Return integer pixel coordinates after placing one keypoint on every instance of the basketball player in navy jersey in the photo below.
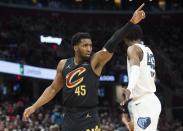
(78, 77)
(146, 107)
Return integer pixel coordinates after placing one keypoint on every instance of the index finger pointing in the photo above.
(142, 5)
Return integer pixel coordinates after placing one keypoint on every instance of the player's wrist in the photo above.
(34, 107)
(132, 21)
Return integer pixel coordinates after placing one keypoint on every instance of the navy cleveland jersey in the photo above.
(80, 86)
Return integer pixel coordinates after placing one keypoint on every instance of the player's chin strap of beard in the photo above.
(117, 37)
(134, 76)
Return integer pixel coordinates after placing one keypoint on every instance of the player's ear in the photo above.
(75, 48)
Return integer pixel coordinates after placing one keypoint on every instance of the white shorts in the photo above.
(146, 111)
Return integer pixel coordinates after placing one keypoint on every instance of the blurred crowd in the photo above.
(20, 38)
(152, 5)
(44, 119)
(50, 117)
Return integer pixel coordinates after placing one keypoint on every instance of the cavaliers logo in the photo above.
(70, 75)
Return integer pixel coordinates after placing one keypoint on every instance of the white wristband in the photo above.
(134, 76)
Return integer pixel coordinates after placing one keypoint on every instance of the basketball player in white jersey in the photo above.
(146, 106)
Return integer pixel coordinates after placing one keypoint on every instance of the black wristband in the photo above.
(117, 37)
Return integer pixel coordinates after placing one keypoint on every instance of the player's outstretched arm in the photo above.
(49, 92)
(103, 56)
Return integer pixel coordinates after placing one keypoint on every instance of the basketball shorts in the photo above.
(146, 111)
(85, 120)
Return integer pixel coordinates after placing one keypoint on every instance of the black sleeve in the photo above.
(117, 37)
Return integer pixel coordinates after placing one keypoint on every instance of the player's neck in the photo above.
(77, 60)
(130, 43)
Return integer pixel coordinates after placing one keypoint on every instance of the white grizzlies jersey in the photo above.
(145, 84)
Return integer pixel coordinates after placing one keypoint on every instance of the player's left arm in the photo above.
(103, 56)
(135, 55)
(100, 58)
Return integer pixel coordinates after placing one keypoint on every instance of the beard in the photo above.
(85, 58)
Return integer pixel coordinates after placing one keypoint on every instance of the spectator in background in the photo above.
(57, 117)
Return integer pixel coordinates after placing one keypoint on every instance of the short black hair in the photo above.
(135, 33)
(76, 38)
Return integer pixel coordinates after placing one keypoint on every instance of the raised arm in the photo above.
(103, 56)
(49, 92)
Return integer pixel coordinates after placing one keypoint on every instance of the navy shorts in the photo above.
(81, 120)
